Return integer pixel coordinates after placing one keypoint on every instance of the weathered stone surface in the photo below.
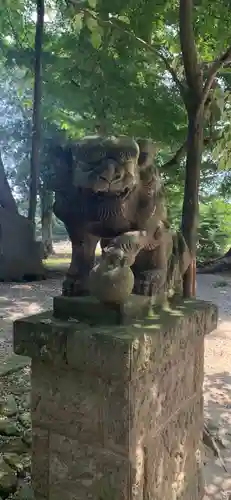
(25, 419)
(70, 402)
(80, 471)
(127, 212)
(24, 493)
(8, 427)
(26, 401)
(40, 462)
(27, 437)
(86, 471)
(20, 464)
(41, 337)
(174, 453)
(8, 406)
(8, 479)
(13, 364)
(117, 411)
(78, 308)
(12, 444)
(46, 338)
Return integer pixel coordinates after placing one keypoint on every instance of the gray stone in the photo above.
(14, 461)
(27, 437)
(24, 493)
(19, 463)
(12, 364)
(160, 257)
(12, 444)
(8, 427)
(47, 338)
(8, 406)
(90, 310)
(25, 419)
(26, 401)
(117, 411)
(8, 479)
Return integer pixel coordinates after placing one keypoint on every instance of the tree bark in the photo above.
(46, 198)
(36, 120)
(195, 99)
(190, 210)
(6, 198)
(195, 110)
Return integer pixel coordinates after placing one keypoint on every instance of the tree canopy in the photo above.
(120, 67)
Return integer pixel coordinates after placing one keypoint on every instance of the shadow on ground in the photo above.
(26, 298)
(23, 299)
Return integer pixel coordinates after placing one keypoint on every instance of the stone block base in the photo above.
(117, 411)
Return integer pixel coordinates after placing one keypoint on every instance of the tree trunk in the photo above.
(6, 198)
(195, 97)
(191, 190)
(46, 198)
(36, 120)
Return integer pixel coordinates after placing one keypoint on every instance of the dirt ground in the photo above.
(18, 300)
(217, 385)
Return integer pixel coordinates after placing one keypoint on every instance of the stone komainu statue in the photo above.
(108, 190)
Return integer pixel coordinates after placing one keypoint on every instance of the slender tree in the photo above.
(46, 202)
(36, 120)
(195, 96)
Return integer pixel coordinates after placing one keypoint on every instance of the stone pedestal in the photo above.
(117, 411)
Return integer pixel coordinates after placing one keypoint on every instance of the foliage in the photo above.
(214, 230)
(108, 65)
(115, 66)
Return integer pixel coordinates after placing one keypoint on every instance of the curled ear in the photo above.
(148, 150)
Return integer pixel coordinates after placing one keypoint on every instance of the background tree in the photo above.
(36, 117)
(120, 68)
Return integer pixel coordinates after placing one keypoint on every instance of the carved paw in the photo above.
(72, 287)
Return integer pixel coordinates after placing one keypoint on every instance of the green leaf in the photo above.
(96, 39)
(28, 103)
(124, 19)
(92, 3)
(78, 22)
(91, 23)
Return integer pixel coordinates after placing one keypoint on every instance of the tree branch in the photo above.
(177, 156)
(193, 73)
(157, 50)
(180, 153)
(173, 74)
(224, 58)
